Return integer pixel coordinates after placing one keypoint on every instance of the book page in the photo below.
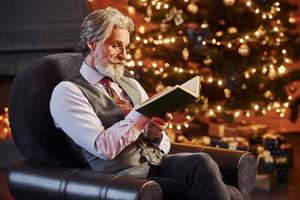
(158, 95)
(193, 85)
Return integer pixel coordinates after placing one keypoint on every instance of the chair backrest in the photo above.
(31, 123)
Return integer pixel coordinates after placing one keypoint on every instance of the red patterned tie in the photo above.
(125, 105)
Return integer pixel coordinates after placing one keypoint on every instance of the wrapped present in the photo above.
(290, 156)
(237, 130)
(253, 130)
(265, 182)
(202, 140)
(281, 164)
(265, 162)
(272, 141)
(235, 143)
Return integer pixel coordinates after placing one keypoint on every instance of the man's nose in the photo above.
(123, 54)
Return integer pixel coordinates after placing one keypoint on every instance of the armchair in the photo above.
(51, 171)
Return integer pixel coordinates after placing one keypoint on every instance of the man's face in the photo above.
(109, 58)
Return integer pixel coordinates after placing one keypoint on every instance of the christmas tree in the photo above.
(240, 48)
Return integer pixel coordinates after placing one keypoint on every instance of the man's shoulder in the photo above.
(74, 77)
(65, 87)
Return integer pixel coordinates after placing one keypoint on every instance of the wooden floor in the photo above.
(286, 191)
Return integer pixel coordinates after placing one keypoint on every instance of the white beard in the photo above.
(106, 67)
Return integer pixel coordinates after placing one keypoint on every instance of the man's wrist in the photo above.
(140, 120)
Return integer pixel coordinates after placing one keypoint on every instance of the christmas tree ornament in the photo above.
(131, 10)
(228, 2)
(219, 33)
(199, 38)
(204, 25)
(244, 50)
(292, 88)
(261, 86)
(207, 60)
(149, 11)
(268, 94)
(147, 19)
(232, 30)
(196, 37)
(176, 15)
(185, 54)
(164, 26)
(138, 54)
(222, 22)
(142, 29)
(141, 3)
(227, 92)
(178, 19)
(192, 8)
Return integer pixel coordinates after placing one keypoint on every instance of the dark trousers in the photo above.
(190, 176)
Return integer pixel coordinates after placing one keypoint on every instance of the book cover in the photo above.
(171, 99)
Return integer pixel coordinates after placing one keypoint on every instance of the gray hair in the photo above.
(98, 26)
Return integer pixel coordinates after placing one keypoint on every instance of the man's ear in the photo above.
(91, 45)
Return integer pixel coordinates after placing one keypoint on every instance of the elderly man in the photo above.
(95, 110)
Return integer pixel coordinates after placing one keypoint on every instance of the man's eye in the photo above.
(116, 46)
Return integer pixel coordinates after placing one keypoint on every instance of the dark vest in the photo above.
(134, 159)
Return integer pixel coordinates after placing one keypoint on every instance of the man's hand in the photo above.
(156, 125)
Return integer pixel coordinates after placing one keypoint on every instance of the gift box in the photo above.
(272, 141)
(202, 140)
(265, 182)
(249, 131)
(235, 143)
(290, 156)
(265, 162)
(281, 164)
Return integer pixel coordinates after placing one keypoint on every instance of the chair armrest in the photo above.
(238, 168)
(27, 181)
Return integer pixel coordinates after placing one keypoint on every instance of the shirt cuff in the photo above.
(165, 144)
(138, 119)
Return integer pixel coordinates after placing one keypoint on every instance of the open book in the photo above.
(171, 99)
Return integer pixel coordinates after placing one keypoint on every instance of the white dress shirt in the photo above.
(72, 112)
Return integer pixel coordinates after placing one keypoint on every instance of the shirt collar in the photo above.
(90, 74)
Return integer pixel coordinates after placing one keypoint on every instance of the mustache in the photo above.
(123, 62)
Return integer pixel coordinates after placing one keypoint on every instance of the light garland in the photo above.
(5, 132)
(272, 69)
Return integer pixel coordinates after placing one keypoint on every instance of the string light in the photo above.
(220, 82)
(237, 114)
(140, 63)
(271, 70)
(248, 114)
(282, 69)
(211, 113)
